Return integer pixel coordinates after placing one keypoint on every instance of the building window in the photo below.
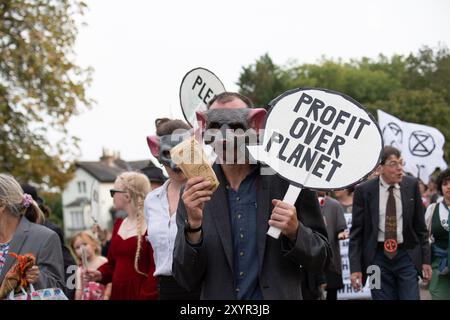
(81, 187)
(77, 220)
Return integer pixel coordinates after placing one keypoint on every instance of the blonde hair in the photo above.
(88, 237)
(138, 186)
(12, 197)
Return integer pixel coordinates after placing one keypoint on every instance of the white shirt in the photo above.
(384, 194)
(161, 229)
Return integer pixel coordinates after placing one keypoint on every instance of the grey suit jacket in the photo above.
(365, 220)
(335, 223)
(210, 264)
(44, 244)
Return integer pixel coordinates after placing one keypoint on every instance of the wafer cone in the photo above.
(192, 160)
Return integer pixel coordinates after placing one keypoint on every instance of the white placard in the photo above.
(320, 133)
(319, 139)
(348, 293)
(197, 88)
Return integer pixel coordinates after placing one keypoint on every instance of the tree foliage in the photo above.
(414, 88)
(262, 81)
(54, 202)
(40, 88)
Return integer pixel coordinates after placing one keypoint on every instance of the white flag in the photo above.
(421, 145)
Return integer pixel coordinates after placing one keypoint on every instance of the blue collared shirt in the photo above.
(242, 205)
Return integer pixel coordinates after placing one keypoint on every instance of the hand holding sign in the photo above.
(284, 217)
(318, 139)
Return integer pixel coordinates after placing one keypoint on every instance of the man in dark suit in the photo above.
(389, 231)
(221, 243)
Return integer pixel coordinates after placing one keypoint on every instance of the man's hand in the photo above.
(356, 279)
(195, 194)
(284, 217)
(426, 272)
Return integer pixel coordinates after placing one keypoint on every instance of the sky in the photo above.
(140, 50)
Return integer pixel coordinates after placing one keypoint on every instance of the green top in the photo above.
(439, 233)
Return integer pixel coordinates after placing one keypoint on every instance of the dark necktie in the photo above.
(390, 230)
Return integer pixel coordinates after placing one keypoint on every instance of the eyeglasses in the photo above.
(113, 191)
(393, 164)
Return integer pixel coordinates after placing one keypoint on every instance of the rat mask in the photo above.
(236, 127)
(160, 147)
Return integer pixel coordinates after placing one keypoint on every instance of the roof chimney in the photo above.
(108, 157)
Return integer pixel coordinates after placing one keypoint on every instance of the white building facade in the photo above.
(86, 198)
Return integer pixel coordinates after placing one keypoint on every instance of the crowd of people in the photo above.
(182, 241)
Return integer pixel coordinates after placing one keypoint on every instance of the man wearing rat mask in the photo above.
(221, 243)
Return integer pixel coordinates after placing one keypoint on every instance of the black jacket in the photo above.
(67, 257)
(365, 220)
(210, 264)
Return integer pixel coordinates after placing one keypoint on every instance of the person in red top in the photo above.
(130, 265)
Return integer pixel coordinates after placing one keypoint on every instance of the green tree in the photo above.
(262, 81)
(364, 80)
(54, 202)
(429, 69)
(40, 88)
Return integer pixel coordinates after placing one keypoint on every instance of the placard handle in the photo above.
(290, 197)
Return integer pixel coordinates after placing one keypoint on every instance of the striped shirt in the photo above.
(4, 248)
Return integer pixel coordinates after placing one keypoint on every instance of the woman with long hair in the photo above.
(130, 265)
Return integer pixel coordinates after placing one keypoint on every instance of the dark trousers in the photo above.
(399, 277)
(332, 294)
(169, 289)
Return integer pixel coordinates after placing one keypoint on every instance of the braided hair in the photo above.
(138, 186)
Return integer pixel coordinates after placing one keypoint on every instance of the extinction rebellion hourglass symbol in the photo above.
(421, 143)
(390, 245)
(393, 131)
